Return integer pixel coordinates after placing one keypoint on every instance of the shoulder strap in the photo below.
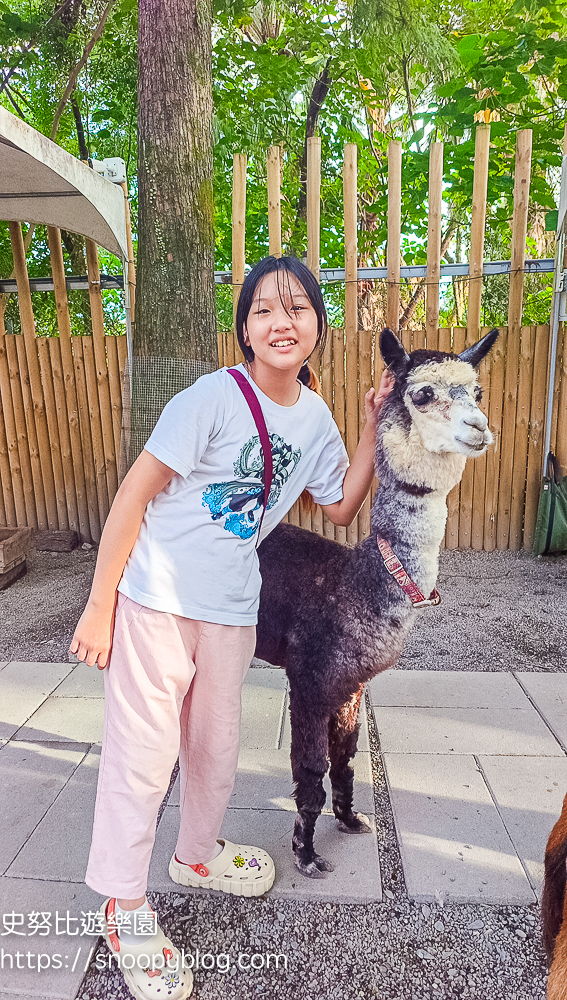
(256, 410)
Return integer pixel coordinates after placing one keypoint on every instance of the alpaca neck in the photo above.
(413, 524)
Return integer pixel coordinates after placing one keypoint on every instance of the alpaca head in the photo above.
(433, 413)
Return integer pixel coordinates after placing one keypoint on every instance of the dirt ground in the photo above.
(499, 611)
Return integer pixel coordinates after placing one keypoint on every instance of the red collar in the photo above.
(395, 568)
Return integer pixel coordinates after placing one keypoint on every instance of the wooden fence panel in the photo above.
(479, 485)
(536, 432)
(7, 506)
(521, 432)
(115, 387)
(394, 232)
(96, 428)
(22, 381)
(101, 369)
(497, 369)
(16, 482)
(63, 426)
(86, 439)
(30, 498)
(515, 301)
(65, 354)
(42, 346)
(32, 389)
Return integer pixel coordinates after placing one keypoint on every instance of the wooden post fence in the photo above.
(61, 417)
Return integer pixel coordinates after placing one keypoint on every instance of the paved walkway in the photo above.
(476, 767)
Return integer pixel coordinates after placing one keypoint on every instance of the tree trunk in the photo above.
(176, 295)
(174, 338)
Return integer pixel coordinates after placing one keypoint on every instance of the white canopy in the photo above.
(40, 182)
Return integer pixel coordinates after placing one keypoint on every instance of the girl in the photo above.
(175, 596)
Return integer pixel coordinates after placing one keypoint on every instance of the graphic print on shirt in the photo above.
(241, 502)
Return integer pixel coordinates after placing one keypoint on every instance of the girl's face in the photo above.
(281, 327)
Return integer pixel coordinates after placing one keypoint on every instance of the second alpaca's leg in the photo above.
(308, 766)
(343, 739)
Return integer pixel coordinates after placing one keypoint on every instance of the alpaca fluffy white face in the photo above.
(442, 398)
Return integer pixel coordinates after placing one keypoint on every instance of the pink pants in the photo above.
(172, 687)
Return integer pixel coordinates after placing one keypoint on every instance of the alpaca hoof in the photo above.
(317, 868)
(358, 823)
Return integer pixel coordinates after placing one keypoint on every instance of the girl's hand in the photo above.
(93, 637)
(373, 400)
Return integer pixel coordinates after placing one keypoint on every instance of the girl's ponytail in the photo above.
(308, 377)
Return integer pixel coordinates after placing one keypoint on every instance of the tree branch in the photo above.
(408, 92)
(320, 90)
(97, 34)
(58, 13)
(83, 151)
(420, 289)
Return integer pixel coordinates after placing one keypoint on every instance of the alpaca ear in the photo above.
(474, 355)
(393, 352)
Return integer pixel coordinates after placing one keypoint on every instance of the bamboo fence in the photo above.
(61, 409)
(61, 416)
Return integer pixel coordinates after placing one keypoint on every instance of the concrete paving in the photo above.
(475, 763)
(477, 771)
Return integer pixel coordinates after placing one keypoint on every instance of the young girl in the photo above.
(173, 608)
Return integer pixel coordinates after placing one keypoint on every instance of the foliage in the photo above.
(38, 50)
(409, 70)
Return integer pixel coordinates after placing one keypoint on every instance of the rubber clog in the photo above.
(240, 870)
(152, 970)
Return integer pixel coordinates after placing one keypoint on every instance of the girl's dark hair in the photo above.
(283, 266)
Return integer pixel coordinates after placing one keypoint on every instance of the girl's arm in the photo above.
(360, 473)
(93, 635)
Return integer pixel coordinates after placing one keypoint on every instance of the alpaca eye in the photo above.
(423, 396)
(477, 394)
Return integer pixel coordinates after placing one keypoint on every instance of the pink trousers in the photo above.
(172, 688)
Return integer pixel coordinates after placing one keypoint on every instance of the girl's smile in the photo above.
(281, 327)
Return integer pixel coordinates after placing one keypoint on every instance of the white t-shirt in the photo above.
(195, 554)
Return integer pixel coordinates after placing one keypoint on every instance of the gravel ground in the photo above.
(500, 611)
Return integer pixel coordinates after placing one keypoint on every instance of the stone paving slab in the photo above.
(549, 692)
(58, 848)
(4, 664)
(497, 730)
(263, 702)
(73, 720)
(445, 689)
(31, 777)
(452, 840)
(356, 878)
(22, 896)
(528, 792)
(82, 682)
(23, 688)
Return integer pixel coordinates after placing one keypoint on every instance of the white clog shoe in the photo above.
(240, 870)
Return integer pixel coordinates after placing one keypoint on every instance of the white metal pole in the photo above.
(560, 276)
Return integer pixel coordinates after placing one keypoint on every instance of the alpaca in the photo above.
(335, 617)
(554, 908)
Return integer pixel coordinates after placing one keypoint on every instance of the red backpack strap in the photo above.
(256, 410)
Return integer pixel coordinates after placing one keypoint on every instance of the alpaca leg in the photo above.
(308, 766)
(343, 739)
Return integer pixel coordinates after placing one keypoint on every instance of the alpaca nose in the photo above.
(477, 420)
